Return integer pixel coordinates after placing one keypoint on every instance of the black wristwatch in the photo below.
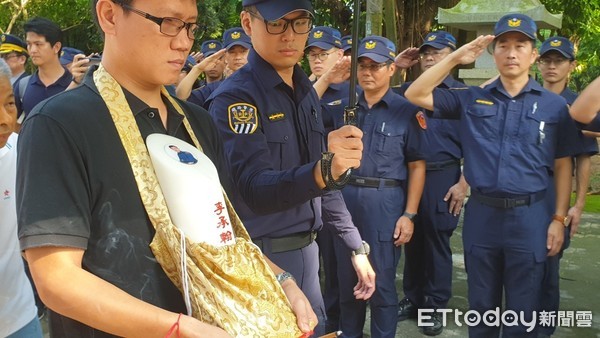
(410, 216)
(364, 249)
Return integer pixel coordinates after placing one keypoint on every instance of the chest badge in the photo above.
(276, 117)
(243, 118)
(485, 102)
(421, 119)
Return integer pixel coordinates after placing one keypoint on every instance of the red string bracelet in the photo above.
(174, 328)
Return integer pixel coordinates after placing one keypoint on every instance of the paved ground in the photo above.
(580, 284)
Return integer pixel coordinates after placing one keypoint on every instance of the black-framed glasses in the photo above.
(301, 25)
(373, 67)
(434, 54)
(168, 26)
(549, 61)
(321, 56)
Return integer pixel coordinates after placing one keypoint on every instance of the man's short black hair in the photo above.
(46, 28)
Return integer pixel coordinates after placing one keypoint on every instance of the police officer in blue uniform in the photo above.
(14, 51)
(324, 51)
(510, 132)
(556, 62)
(347, 44)
(383, 194)
(237, 45)
(270, 119)
(586, 109)
(427, 281)
(213, 72)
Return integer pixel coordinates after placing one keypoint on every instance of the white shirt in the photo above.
(17, 307)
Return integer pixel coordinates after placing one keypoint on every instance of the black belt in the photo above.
(287, 243)
(373, 182)
(509, 202)
(433, 166)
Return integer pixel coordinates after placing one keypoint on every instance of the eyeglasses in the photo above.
(434, 54)
(8, 56)
(373, 67)
(168, 26)
(321, 56)
(549, 61)
(301, 25)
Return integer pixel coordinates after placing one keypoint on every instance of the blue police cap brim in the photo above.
(532, 37)
(239, 43)
(347, 48)
(376, 57)
(209, 53)
(435, 45)
(321, 44)
(277, 9)
(562, 52)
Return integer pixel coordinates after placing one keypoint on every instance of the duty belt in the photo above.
(373, 182)
(287, 243)
(434, 166)
(508, 202)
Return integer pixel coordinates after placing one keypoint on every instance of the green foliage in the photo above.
(581, 23)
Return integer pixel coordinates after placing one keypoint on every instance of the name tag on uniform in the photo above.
(486, 102)
(276, 117)
(335, 103)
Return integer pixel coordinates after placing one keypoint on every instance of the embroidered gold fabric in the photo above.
(231, 286)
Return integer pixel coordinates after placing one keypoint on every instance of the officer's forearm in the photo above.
(587, 105)
(582, 178)
(562, 180)
(416, 182)
(420, 91)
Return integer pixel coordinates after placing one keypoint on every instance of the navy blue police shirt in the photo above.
(392, 137)
(509, 143)
(442, 134)
(332, 106)
(588, 145)
(273, 137)
(200, 95)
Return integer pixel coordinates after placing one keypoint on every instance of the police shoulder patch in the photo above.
(243, 118)
(421, 119)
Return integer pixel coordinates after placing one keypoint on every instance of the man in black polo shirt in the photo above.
(82, 220)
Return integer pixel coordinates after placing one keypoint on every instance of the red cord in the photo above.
(174, 328)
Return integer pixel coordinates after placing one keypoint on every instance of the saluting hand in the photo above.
(346, 144)
(469, 52)
(340, 71)
(407, 58)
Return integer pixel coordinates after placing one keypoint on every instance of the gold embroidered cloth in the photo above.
(231, 286)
